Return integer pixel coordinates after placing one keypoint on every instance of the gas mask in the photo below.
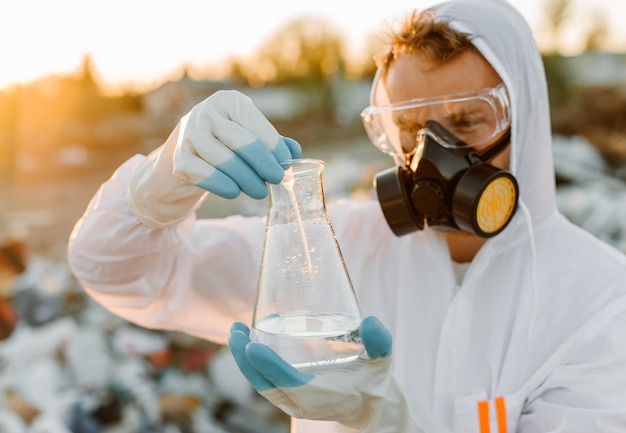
(441, 179)
(448, 188)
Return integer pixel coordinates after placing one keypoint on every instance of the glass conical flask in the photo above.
(306, 309)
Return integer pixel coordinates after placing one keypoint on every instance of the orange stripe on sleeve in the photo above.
(483, 416)
(501, 414)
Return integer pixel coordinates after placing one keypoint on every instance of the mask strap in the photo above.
(496, 148)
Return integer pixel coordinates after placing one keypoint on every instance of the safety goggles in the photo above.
(475, 117)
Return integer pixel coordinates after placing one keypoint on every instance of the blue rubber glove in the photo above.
(361, 395)
(224, 146)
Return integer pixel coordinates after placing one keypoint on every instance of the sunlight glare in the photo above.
(147, 41)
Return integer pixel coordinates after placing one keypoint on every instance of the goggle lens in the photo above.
(474, 117)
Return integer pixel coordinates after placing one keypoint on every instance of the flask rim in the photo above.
(302, 164)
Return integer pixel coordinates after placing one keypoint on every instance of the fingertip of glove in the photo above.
(294, 147)
(238, 339)
(258, 193)
(238, 343)
(376, 338)
(261, 355)
(239, 326)
(221, 185)
(257, 349)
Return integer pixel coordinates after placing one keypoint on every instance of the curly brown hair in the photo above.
(420, 33)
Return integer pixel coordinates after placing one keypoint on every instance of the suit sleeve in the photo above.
(196, 277)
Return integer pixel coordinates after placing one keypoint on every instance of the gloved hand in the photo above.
(361, 395)
(224, 145)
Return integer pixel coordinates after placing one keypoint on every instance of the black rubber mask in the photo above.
(448, 187)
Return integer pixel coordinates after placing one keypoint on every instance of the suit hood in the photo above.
(505, 40)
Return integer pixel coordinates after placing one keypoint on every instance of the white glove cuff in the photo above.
(159, 200)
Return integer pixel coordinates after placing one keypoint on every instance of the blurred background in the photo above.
(84, 85)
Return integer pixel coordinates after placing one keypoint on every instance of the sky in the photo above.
(136, 43)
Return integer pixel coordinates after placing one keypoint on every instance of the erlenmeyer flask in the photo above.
(306, 309)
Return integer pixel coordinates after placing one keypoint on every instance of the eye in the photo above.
(465, 122)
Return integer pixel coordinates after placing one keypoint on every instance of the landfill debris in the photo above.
(589, 192)
(69, 366)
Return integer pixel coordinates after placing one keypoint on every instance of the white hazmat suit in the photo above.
(532, 339)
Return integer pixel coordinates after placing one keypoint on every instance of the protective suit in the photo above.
(530, 339)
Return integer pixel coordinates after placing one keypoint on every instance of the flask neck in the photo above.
(301, 187)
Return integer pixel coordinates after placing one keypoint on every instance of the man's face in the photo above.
(413, 76)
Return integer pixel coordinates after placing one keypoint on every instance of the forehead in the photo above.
(412, 76)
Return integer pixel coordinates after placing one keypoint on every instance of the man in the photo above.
(504, 316)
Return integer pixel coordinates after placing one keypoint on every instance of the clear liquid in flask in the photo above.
(311, 341)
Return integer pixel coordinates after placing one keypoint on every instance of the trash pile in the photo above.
(590, 193)
(69, 366)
